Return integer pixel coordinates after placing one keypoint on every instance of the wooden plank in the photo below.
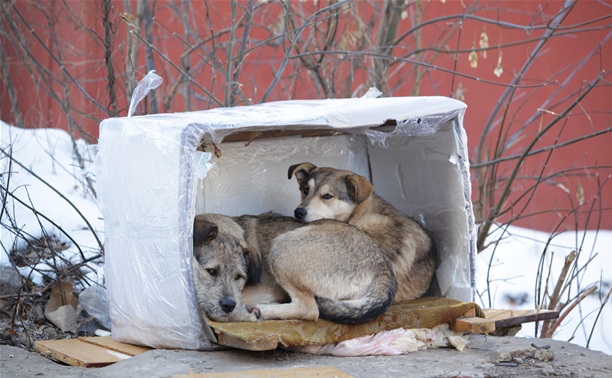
(500, 319)
(473, 324)
(235, 342)
(510, 318)
(471, 312)
(108, 343)
(78, 353)
(305, 372)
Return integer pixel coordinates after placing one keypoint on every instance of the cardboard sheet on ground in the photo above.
(421, 313)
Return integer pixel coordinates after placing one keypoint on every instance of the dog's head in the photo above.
(222, 265)
(328, 193)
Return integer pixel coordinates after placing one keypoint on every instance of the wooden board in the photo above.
(509, 318)
(103, 351)
(108, 343)
(306, 372)
(235, 342)
(472, 324)
(426, 312)
(88, 351)
(497, 319)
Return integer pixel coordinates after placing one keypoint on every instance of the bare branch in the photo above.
(61, 66)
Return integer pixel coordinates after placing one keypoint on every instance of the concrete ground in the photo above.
(484, 357)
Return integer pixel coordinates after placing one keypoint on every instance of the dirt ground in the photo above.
(484, 357)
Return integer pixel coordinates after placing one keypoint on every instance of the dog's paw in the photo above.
(255, 312)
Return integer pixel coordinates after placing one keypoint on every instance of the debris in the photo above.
(93, 305)
(88, 351)
(529, 353)
(540, 347)
(61, 308)
(543, 355)
(393, 342)
(10, 280)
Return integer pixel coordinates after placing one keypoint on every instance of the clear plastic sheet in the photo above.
(144, 86)
(152, 182)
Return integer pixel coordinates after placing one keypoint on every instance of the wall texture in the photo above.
(535, 74)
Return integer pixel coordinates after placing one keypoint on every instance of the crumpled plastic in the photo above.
(93, 303)
(372, 92)
(144, 86)
(61, 307)
(391, 343)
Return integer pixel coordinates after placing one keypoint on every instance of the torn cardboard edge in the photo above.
(61, 307)
(427, 312)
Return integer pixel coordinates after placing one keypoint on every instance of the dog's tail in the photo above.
(374, 303)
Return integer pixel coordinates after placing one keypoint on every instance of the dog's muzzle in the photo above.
(227, 304)
(300, 213)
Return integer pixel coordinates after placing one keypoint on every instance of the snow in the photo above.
(49, 154)
(516, 261)
(506, 272)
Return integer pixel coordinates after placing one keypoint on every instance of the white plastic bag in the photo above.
(144, 86)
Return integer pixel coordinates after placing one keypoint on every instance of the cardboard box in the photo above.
(153, 180)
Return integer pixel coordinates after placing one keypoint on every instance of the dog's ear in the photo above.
(203, 230)
(301, 171)
(359, 188)
(254, 262)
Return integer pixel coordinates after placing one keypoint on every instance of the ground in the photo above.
(484, 357)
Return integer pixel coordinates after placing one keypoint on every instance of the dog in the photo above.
(329, 193)
(293, 270)
(222, 264)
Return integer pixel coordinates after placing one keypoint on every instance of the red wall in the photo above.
(562, 71)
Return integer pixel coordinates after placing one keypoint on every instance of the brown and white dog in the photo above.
(272, 267)
(329, 193)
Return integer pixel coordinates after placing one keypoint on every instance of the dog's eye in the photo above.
(213, 272)
(239, 277)
(305, 190)
(327, 196)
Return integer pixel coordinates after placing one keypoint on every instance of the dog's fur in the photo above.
(327, 269)
(329, 193)
(222, 264)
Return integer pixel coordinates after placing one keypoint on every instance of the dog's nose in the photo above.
(300, 213)
(227, 304)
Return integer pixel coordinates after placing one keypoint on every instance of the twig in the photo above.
(31, 172)
(61, 66)
(509, 92)
(230, 50)
(187, 76)
(424, 64)
(487, 224)
(147, 17)
(6, 77)
(554, 298)
(108, 49)
(603, 305)
(541, 150)
(36, 212)
(293, 41)
(570, 308)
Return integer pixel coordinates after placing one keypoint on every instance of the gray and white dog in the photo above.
(329, 193)
(273, 267)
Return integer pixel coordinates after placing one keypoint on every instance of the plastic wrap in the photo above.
(152, 181)
(144, 86)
